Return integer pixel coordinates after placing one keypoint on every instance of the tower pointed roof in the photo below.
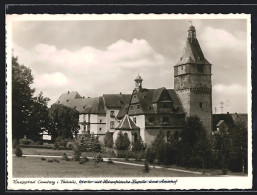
(138, 78)
(192, 52)
(127, 124)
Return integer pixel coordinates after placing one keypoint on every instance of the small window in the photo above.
(84, 117)
(200, 68)
(112, 113)
(149, 107)
(168, 135)
(180, 59)
(131, 107)
(100, 120)
(164, 105)
(150, 120)
(100, 129)
(201, 104)
(165, 119)
(135, 120)
(181, 67)
(138, 106)
(112, 124)
(84, 128)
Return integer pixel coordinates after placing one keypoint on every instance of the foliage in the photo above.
(64, 156)
(110, 161)
(138, 145)
(18, 151)
(89, 143)
(146, 168)
(195, 148)
(25, 141)
(29, 114)
(122, 142)
(22, 94)
(38, 120)
(108, 139)
(64, 121)
(62, 141)
(76, 150)
(150, 155)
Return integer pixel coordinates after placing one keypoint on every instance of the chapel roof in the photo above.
(127, 124)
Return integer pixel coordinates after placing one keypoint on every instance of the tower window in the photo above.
(165, 119)
(131, 107)
(201, 104)
(135, 120)
(164, 105)
(150, 120)
(100, 120)
(138, 106)
(181, 67)
(100, 129)
(200, 68)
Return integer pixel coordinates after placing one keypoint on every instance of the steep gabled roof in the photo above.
(147, 97)
(127, 124)
(68, 96)
(86, 105)
(192, 52)
(116, 100)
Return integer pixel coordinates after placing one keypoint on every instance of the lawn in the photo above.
(35, 167)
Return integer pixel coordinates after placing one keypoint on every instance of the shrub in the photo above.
(146, 168)
(18, 151)
(122, 142)
(99, 158)
(138, 145)
(43, 158)
(64, 156)
(56, 160)
(110, 161)
(69, 145)
(108, 139)
(25, 141)
(62, 141)
(77, 152)
(50, 160)
(150, 155)
(81, 161)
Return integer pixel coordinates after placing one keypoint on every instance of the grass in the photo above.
(31, 167)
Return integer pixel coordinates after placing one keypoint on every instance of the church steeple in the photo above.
(138, 83)
(192, 81)
(192, 52)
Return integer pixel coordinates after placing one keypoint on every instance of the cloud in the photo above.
(220, 39)
(56, 79)
(93, 71)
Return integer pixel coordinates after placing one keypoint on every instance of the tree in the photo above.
(138, 145)
(194, 144)
(122, 142)
(108, 139)
(39, 119)
(64, 121)
(22, 100)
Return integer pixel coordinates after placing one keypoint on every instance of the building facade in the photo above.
(152, 110)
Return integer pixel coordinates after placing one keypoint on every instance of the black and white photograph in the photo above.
(113, 101)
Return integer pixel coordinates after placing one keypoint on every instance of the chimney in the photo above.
(83, 97)
(68, 92)
(120, 93)
(88, 97)
(227, 112)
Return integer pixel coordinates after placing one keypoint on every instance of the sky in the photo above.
(96, 57)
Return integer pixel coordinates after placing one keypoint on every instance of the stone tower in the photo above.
(192, 81)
